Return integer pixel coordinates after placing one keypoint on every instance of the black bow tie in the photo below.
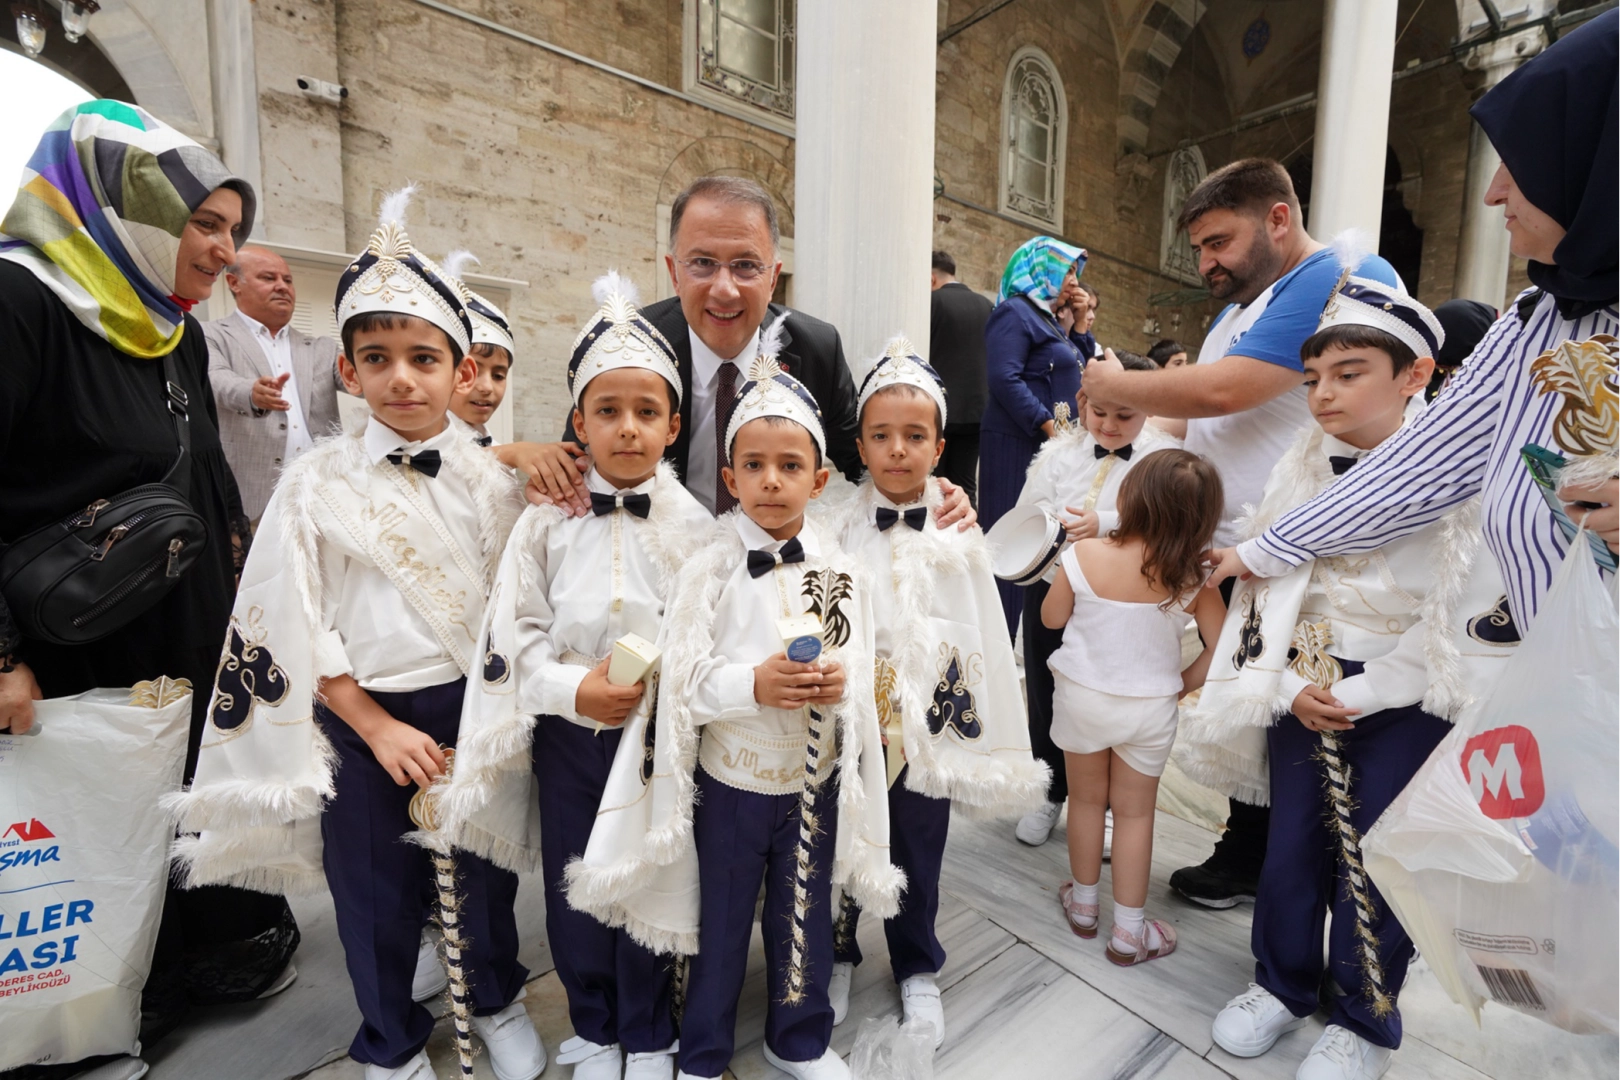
(1123, 452)
(483, 440)
(1342, 465)
(639, 505)
(761, 563)
(916, 517)
(427, 462)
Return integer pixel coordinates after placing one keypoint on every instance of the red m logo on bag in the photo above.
(32, 829)
(1503, 770)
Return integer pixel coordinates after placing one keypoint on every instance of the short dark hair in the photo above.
(944, 263)
(726, 189)
(1354, 336)
(1248, 186)
(367, 321)
(1131, 361)
(484, 350)
(1162, 350)
(669, 389)
(773, 420)
(1091, 290)
(905, 390)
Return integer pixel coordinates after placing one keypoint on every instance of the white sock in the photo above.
(1130, 920)
(1085, 894)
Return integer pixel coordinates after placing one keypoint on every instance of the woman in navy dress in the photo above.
(1033, 361)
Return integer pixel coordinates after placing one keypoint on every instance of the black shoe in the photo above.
(1214, 884)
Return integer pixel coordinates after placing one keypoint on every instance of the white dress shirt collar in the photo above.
(706, 362)
(598, 483)
(382, 440)
(259, 329)
(757, 539)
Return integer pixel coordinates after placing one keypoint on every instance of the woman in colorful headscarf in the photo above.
(1544, 374)
(120, 226)
(1033, 356)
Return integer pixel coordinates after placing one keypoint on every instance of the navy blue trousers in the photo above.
(618, 991)
(744, 838)
(380, 892)
(1003, 463)
(918, 826)
(1040, 642)
(1303, 880)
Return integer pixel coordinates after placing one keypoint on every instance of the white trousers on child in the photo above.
(1140, 730)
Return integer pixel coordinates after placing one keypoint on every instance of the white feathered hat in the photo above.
(901, 366)
(391, 276)
(770, 391)
(489, 323)
(619, 336)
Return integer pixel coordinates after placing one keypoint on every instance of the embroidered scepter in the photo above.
(424, 811)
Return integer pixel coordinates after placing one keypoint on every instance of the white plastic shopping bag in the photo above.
(1500, 856)
(83, 862)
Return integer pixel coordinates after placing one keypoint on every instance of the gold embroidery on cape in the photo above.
(747, 761)
(1585, 373)
(158, 693)
(1309, 659)
(824, 592)
(1498, 619)
(428, 579)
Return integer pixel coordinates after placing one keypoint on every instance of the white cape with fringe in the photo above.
(961, 709)
(639, 870)
(264, 776)
(1221, 741)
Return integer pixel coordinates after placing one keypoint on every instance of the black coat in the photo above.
(812, 352)
(957, 351)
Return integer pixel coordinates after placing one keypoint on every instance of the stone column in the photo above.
(235, 87)
(864, 159)
(1482, 248)
(1352, 116)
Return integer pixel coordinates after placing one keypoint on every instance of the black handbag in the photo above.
(81, 578)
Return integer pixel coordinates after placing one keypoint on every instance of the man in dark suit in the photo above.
(723, 262)
(957, 336)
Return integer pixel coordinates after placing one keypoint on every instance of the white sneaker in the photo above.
(838, 990)
(919, 1000)
(288, 976)
(515, 1049)
(1341, 1054)
(1108, 836)
(418, 1068)
(430, 979)
(650, 1065)
(1252, 1023)
(829, 1066)
(1036, 826)
(592, 1061)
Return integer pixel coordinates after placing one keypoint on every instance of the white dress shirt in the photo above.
(745, 744)
(278, 351)
(701, 468)
(385, 644)
(594, 582)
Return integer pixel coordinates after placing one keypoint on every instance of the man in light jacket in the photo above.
(275, 386)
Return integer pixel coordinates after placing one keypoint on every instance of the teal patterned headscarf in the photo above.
(1037, 268)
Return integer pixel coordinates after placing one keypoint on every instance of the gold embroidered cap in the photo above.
(489, 323)
(619, 336)
(391, 276)
(901, 366)
(770, 391)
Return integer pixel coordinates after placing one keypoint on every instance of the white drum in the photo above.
(1024, 544)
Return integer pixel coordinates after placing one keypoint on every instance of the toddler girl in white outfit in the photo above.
(1122, 601)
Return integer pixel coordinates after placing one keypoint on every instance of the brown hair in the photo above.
(486, 350)
(1356, 336)
(726, 189)
(367, 321)
(1249, 185)
(905, 390)
(1172, 501)
(1163, 349)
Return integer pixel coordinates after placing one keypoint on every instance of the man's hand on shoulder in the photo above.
(556, 473)
(955, 509)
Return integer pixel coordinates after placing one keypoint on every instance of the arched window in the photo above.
(1034, 125)
(1185, 172)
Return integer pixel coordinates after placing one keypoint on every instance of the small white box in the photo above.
(801, 637)
(634, 657)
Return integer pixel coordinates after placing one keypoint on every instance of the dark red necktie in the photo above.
(725, 397)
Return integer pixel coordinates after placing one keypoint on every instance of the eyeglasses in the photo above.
(743, 271)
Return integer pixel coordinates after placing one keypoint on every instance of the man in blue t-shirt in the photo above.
(1244, 399)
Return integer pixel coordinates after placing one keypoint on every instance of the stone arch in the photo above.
(127, 39)
(729, 156)
(1149, 55)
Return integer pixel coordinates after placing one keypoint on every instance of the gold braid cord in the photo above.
(424, 813)
(803, 868)
(1339, 806)
(844, 925)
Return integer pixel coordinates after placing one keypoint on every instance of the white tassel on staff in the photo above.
(424, 814)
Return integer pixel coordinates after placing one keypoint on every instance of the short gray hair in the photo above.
(727, 189)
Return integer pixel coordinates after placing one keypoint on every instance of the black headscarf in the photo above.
(1465, 323)
(1554, 122)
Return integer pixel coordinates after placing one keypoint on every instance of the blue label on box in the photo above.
(802, 650)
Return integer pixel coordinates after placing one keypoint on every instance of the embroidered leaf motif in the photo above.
(953, 705)
(1251, 646)
(825, 592)
(248, 675)
(1308, 657)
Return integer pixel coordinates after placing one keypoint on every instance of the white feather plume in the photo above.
(394, 205)
(614, 285)
(455, 264)
(770, 342)
(1351, 248)
(899, 345)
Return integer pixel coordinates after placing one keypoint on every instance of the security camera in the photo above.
(330, 92)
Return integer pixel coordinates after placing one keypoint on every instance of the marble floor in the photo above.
(1023, 997)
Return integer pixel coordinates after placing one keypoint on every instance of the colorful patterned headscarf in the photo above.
(1036, 269)
(99, 215)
